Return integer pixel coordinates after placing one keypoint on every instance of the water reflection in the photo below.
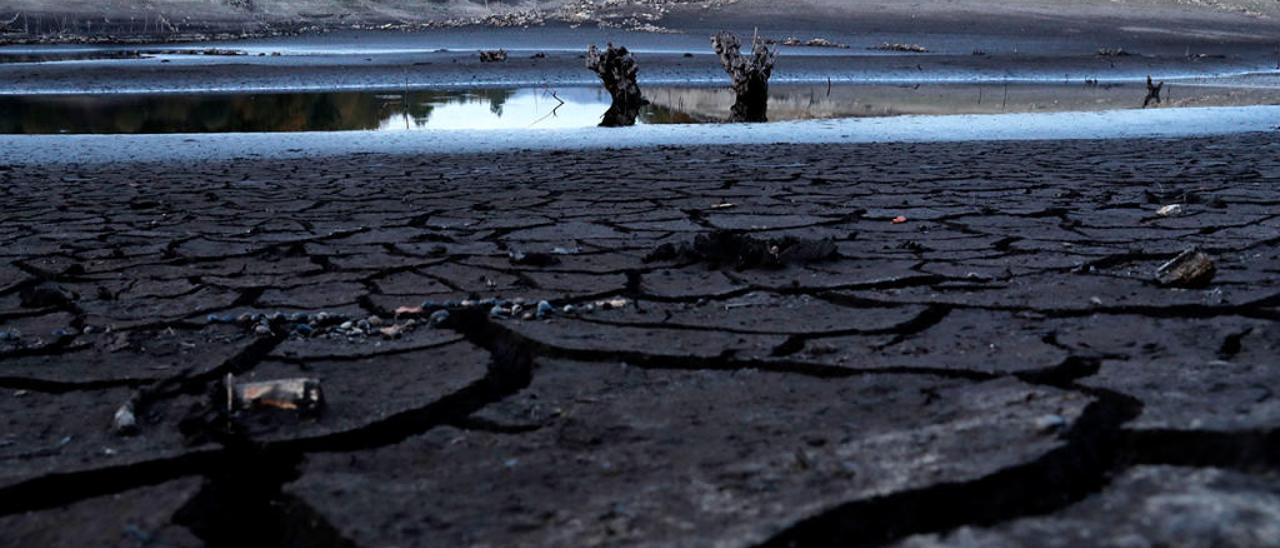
(554, 108)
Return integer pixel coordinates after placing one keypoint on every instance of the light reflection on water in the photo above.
(514, 109)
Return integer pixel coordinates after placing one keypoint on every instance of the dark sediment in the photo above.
(1008, 343)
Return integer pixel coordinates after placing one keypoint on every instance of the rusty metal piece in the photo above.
(299, 394)
(1191, 268)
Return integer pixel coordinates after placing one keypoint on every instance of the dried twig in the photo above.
(1153, 92)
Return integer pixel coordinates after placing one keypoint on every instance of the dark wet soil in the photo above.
(988, 328)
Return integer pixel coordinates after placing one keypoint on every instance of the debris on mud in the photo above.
(1189, 269)
(906, 48)
(1153, 92)
(617, 70)
(1113, 52)
(493, 56)
(46, 295)
(742, 251)
(750, 75)
(533, 258)
(813, 43)
(125, 421)
(301, 394)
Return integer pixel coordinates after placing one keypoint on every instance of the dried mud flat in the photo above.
(997, 367)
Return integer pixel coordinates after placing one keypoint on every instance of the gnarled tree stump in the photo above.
(617, 70)
(750, 75)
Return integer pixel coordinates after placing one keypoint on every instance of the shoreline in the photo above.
(1181, 123)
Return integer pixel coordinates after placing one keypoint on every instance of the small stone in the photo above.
(545, 308)
(438, 317)
(89, 330)
(569, 309)
(527, 316)
(124, 422)
(497, 311)
(323, 316)
(1172, 210)
(244, 319)
(262, 330)
(589, 308)
(346, 325)
(374, 321)
(1050, 423)
(516, 309)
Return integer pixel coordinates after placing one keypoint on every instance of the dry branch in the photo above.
(1153, 92)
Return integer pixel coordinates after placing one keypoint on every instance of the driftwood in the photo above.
(1153, 93)
(750, 75)
(617, 70)
(493, 56)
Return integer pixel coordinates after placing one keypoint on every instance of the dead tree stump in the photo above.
(1153, 92)
(617, 70)
(750, 75)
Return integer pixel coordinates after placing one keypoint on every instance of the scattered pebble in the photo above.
(1050, 423)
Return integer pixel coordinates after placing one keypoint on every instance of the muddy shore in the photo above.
(919, 324)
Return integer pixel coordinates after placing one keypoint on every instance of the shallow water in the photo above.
(569, 107)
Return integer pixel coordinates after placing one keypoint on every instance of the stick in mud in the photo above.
(750, 75)
(1153, 92)
(617, 70)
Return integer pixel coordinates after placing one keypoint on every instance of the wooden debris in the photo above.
(493, 56)
(1189, 269)
(1153, 92)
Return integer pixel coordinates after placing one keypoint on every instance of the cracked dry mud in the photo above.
(1000, 369)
